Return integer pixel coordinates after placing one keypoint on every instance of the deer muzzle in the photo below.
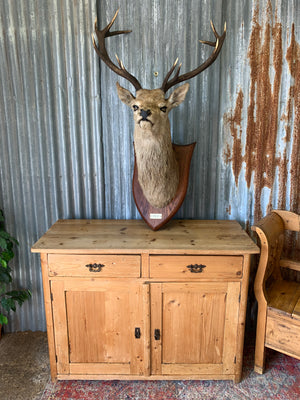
(145, 114)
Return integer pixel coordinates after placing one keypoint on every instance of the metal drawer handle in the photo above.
(95, 267)
(197, 268)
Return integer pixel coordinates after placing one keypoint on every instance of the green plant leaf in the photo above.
(7, 255)
(8, 304)
(6, 241)
(10, 299)
(19, 295)
(7, 270)
(3, 243)
(3, 319)
(5, 235)
(5, 275)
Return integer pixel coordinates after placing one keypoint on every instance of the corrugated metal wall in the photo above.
(66, 139)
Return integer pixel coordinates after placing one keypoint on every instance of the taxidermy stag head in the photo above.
(157, 166)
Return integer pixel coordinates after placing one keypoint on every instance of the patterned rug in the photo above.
(281, 381)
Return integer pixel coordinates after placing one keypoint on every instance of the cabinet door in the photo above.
(99, 327)
(194, 328)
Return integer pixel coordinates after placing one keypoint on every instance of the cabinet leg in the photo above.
(258, 369)
(237, 378)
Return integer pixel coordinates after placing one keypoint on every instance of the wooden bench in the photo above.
(278, 318)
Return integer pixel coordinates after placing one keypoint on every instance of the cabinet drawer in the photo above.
(94, 265)
(196, 267)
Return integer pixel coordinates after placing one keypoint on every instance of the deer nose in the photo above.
(145, 113)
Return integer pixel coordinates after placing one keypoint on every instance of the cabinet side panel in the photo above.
(242, 316)
(49, 318)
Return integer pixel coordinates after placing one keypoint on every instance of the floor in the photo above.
(24, 365)
(25, 374)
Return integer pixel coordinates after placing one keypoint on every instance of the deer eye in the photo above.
(135, 108)
(163, 109)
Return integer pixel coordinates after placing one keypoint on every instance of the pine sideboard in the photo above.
(124, 302)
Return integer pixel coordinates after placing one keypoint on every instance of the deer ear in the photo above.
(178, 95)
(124, 95)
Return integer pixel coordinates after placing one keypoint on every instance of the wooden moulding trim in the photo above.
(290, 264)
(148, 378)
(291, 220)
(281, 350)
(154, 251)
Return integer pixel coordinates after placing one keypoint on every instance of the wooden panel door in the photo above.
(99, 327)
(194, 328)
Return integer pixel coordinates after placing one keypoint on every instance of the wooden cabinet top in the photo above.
(134, 236)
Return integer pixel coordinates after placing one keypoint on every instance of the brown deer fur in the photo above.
(158, 171)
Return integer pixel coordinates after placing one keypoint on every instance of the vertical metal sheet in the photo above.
(51, 156)
(66, 139)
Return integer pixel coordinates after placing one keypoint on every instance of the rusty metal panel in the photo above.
(260, 149)
(66, 142)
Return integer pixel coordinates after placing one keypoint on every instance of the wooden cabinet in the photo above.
(124, 302)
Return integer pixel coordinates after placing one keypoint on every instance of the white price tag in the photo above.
(155, 216)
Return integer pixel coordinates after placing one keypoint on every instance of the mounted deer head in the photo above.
(158, 171)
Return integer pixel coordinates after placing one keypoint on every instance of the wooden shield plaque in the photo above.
(157, 217)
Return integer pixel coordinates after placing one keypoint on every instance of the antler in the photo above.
(180, 78)
(102, 53)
